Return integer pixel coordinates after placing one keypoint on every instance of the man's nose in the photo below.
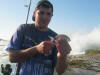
(45, 16)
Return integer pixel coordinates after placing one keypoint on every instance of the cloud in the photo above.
(81, 42)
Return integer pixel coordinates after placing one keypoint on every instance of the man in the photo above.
(30, 45)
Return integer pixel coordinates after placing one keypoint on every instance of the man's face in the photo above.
(43, 17)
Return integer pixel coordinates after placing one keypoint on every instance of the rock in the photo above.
(79, 71)
(96, 65)
(84, 65)
(97, 69)
(98, 73)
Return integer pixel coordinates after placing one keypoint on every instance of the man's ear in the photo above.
(34, 13)
(33, 17)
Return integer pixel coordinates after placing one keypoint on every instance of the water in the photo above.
(4, 55)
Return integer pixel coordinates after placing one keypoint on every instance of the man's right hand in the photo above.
(44, 47)
(22, 55)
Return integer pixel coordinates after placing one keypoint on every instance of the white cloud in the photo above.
(81, 42)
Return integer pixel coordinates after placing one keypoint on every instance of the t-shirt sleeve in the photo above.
(16, 39)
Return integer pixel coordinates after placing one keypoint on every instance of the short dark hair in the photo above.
(43, 3)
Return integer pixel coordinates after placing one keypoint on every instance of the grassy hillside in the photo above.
(92, 52)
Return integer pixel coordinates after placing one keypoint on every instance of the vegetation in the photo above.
(92, 52)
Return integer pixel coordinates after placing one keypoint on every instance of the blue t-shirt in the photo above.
(27, 36)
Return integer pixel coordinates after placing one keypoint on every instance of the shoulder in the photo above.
(25, 27)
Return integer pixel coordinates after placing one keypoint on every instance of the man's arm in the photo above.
(22, 55)
(63, 50)
(62, 65)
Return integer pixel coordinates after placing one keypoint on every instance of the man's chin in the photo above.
(43, 25)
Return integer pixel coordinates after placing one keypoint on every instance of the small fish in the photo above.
(63, 36)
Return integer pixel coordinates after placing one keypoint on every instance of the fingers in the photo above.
(46, 49)
(47, 46)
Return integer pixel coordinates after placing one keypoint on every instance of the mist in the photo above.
(82, 42)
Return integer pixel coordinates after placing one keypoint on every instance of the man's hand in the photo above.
(44, 47)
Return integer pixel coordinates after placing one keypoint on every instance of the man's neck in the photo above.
(41, 28)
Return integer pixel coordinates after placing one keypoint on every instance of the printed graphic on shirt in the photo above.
(38, 67)
(31, 42)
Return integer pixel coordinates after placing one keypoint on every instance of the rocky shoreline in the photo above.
(83, 65)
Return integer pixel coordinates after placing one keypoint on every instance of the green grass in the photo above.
(92, 52)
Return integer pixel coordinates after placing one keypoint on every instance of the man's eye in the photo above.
(42, 13)
(49, 14)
